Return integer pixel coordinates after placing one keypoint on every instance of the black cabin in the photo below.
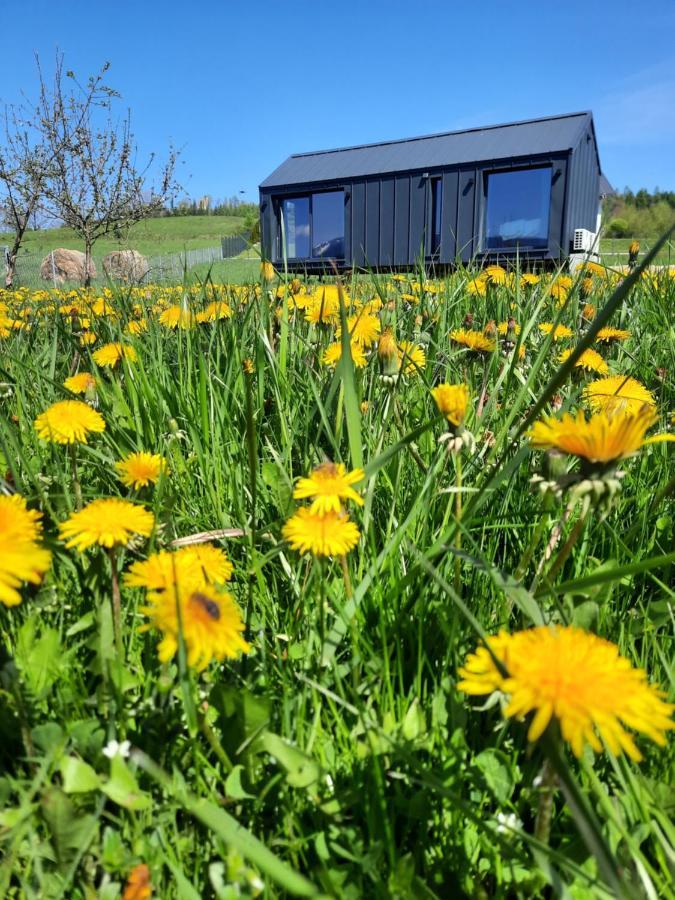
(485, 193)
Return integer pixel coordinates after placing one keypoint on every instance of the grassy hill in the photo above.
(151, 238)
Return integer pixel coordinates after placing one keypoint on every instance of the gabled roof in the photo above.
(528, 138)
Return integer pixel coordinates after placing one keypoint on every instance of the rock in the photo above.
(65, 265)
(126, 265)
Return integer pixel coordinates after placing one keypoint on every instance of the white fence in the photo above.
(167, 267)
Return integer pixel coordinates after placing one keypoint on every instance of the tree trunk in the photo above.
(10, 269)
(10, 261)
(87, 264)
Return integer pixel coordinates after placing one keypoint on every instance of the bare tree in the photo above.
(94, 184)
(24, 166)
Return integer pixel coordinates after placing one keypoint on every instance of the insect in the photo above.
(207, 604)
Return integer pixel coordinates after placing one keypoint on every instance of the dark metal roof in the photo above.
(528, 138)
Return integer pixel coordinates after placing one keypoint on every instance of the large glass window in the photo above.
(518, 207)
(296, 225)
(315, 226)
(328, 225)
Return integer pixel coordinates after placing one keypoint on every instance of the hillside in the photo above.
(151, 238)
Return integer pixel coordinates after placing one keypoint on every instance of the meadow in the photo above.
(151, 237)
(351, 588)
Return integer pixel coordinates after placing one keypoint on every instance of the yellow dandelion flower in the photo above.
(323, 305)
(604, 438)
(87, 338)
(138, 470)
(495, 275)
(473, 340)
(411, 358)
(618, 393)
(363, 329)
(69, 422)
(110, 354)
(559, 332)
(329, 484)
(138, 886)
(80, 383)
(216, 310)
(137, 326)
(594, 268)
(589, 360)
(588, 312)
(609, 335)
(177, 316)
(107, 522)
(333, 354)
(477, 286)
(529, 279)
(504, 327)
(267, 272)
(332, 534)
(189, 567)
(452, 401)
(22, 558)
(576, 679)
(210, 622)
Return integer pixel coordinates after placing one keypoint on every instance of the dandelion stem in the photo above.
(345, 576)
(458, 517)
(116, 600)
(542, 825)
(567, 547)
(76, 478)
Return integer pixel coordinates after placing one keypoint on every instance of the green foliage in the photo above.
(338, 759)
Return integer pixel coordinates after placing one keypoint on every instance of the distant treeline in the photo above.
(206, 206)
(639, 214)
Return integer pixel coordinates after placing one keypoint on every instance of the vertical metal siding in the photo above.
(372, 222)
(418, 210)
(556, 239)
(402, 221)
(465, 213)
(348, 224)
(386, 255)
(583, 193)
(449, 217)
(359, 223)
(267, 220)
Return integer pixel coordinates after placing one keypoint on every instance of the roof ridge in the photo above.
(439, 134)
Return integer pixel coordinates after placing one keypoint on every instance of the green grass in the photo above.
(152, 237)
(338, 758)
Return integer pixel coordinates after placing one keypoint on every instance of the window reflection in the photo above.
(328, 225)
(316, 222)
(518, 206)
(296, 225)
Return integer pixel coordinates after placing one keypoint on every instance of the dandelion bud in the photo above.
(387, 352)
(588, 312)
(587, 287)
(490, 329)
(267, 272)
(633, 252)
(247, 366)
(468, 320)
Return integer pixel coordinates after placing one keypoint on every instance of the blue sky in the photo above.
(239, 86)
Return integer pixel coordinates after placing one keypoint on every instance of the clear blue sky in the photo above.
(238, 86)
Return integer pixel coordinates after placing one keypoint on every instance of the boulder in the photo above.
(126, 265)
(65, 265)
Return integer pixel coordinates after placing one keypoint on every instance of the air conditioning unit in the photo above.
(584, 240)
